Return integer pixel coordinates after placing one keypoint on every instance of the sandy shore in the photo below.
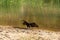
(27, 34)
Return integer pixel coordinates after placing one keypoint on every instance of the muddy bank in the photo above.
(9, 33)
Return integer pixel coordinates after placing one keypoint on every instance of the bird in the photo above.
(29, 24)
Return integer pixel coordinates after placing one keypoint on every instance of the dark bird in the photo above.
(29, 24)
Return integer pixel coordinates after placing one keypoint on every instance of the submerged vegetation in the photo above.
(46, 13)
